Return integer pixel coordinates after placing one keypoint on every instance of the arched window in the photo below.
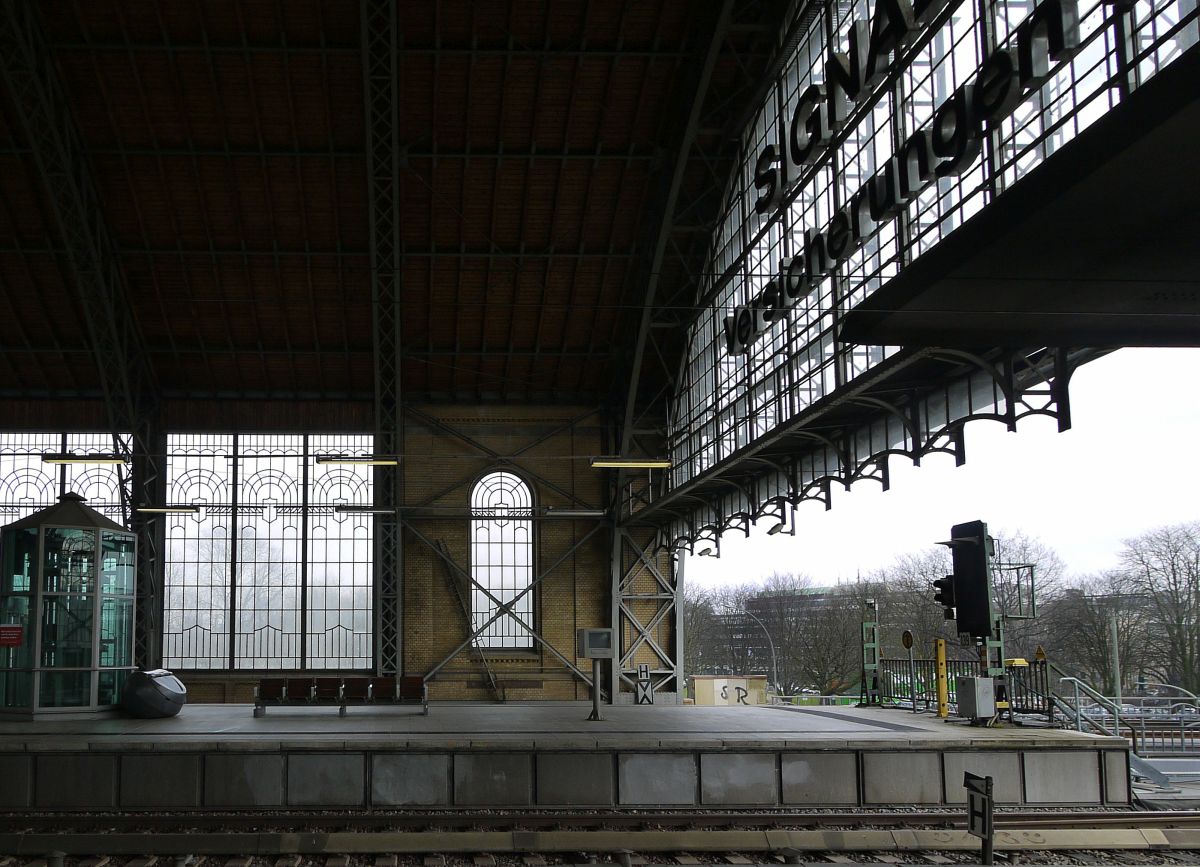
(502, 559)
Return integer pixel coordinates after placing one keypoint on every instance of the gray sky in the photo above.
(1128, 464)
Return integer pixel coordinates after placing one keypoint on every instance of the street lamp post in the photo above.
(771, 645)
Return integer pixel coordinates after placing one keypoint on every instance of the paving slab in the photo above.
(416, 780)
(157, 780)
(17, 773)
(1061, 777)
(243, 780)
(575, 779)
(487, 779)
(907, 777)
(728, 779)
(1003, 768)
(656, 778)
(819, 778)
(78, 780)
(326, 779)
(1116, 777)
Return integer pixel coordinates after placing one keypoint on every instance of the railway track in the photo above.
(543, 838)
(516, 821)
(627, 848)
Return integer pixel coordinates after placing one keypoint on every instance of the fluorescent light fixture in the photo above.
(72, 458)
(169, 510)
(552, 512)
(363, 510)
(362, 460)
(616, 462)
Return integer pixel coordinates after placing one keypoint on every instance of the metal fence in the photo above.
(1029, 688)
(914, 683)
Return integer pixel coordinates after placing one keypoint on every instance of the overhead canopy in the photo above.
(1095, 247)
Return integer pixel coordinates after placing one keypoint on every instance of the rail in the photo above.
(1039, 838)
(302, 821)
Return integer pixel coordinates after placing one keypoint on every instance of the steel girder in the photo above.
(687, 209)
(89, 256)
(852, 437)
(680, 212)
(669, 197)
(381, 86)
(413, 513)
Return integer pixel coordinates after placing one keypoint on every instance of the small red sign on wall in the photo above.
(12, 636)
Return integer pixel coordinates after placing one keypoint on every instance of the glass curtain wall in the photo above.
(726, 400)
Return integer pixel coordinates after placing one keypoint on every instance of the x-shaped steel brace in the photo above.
(503, 608)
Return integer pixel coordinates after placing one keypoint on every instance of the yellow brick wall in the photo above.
(574, 594)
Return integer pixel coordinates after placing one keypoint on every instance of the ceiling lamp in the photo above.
(361, 460)
(72, 458)
(552, 512)
(616, 462)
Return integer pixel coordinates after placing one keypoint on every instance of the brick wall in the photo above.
(574, 594)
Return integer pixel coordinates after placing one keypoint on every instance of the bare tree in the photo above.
(1014, 551)
(785, 607)
(831, 648)
(726, 647)
(699, 623)
(1080, 619)
(904, 595)
(1164, 564)
(905, 592)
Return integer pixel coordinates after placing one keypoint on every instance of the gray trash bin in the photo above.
(153, 694)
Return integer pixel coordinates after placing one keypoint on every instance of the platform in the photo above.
(216, 757)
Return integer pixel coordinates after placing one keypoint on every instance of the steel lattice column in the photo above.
(646, 608)
(90, 257)
(380, 46)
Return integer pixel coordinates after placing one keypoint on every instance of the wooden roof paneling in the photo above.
(226, 142)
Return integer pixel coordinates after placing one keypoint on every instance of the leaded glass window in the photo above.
(268, 574)
(502, 561)
(27, 484)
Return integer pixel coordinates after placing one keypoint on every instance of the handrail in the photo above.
(1080, 718)
(1098, 698)
(1104, 702)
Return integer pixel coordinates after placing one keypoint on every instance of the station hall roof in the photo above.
(226, 143)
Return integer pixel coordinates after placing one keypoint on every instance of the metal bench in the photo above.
(340, 691)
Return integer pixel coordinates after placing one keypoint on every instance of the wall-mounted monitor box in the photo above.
(594, 643)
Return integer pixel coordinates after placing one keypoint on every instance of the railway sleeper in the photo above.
(237, 848)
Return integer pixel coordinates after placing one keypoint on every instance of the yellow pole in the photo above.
(943, 688)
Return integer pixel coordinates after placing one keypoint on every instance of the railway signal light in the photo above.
(971, 547)
(944, 595)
